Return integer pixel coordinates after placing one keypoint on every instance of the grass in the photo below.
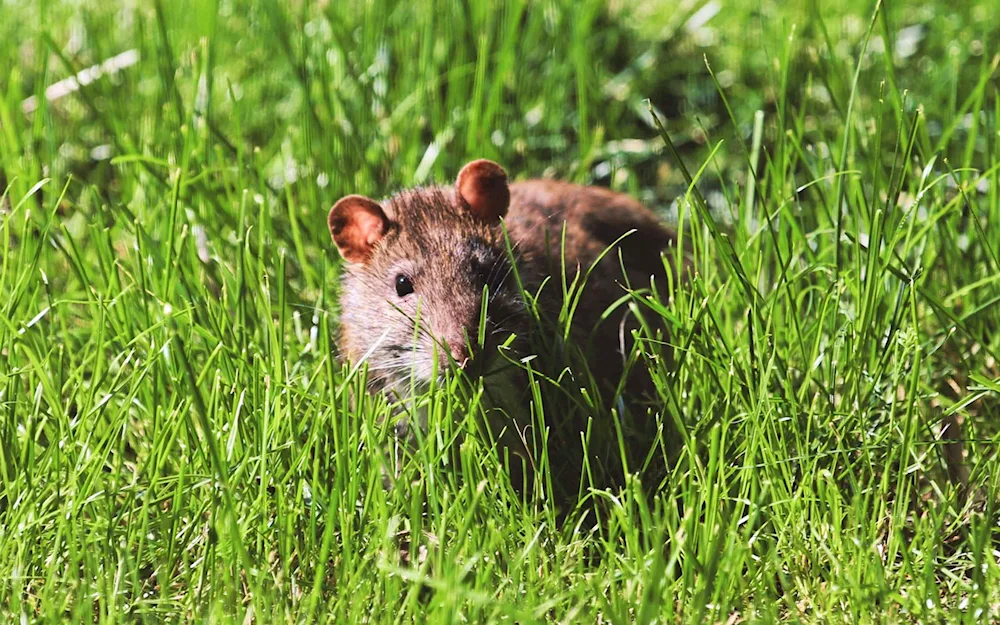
(178, 442)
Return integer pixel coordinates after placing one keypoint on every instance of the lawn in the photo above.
(180, 442)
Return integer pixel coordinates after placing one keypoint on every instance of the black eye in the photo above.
(403, 286)
(478, 268)
(491, 271)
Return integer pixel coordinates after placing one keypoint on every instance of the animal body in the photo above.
(471, 276)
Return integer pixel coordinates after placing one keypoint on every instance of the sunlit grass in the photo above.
(178, 441)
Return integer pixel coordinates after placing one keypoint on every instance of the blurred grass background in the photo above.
(171, 417)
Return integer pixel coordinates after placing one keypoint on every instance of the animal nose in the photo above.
(459, 352)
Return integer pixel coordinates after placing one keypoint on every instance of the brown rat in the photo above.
(418, 264)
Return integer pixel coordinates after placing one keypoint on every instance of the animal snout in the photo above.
(458, 349)
(457, 341)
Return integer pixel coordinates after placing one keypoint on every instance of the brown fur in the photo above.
(448, 242)
(594, 219)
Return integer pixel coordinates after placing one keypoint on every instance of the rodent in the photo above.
(428, 253)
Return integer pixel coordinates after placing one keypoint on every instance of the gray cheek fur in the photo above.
(379, 330)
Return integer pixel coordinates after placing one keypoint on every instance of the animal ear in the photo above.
(356, 225)
(482, 187)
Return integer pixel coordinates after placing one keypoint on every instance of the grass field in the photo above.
(177, 438)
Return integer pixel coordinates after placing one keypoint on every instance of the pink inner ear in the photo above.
(356, 225)
(482, 185)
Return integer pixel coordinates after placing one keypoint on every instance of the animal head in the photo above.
(420, 267)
